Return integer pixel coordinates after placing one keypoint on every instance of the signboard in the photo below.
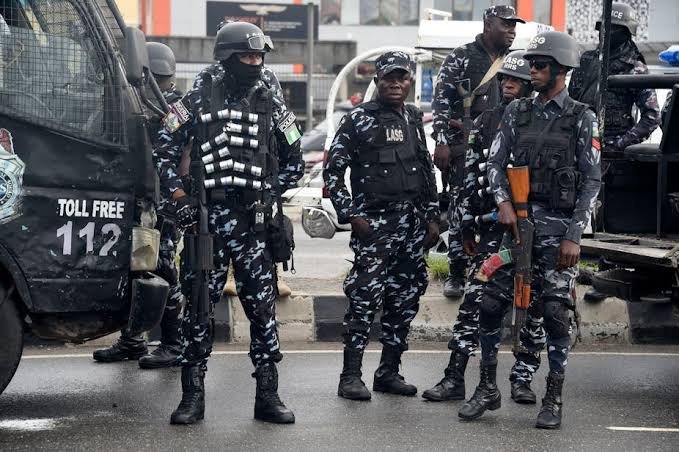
(280, 21)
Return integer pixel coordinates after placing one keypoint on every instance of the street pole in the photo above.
(310, 68)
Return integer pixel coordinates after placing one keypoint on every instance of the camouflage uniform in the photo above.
(472, 206)
(468, 63)
(231, 223)
(389, 268)
(553, 289)
(169, 239)
(620, 129)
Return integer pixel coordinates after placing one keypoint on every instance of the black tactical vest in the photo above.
(486, 96)
(481, 200)
(619, 101)
(388, 166)
(236, 144)
(547, 147)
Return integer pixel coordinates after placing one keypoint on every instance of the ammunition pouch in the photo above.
(281, 240)
(564, 188)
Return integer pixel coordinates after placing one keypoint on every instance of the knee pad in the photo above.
(556, 319)
(491, 312)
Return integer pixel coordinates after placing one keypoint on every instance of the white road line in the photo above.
(339, 351)
(644, 429)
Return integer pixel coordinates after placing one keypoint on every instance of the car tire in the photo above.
(11, 339)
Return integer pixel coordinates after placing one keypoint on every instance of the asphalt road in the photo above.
(65, 401)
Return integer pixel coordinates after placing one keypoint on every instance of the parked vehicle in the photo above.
(77, 186)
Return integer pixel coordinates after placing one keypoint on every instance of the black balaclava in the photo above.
(619, 36)
(245, 75)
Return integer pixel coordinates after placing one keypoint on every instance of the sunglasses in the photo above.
(539, 64)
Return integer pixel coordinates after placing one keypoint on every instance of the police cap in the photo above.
(555, 44)
(623, 15)
(505, 12)
(240, 37)
(390, 61)
(161, 59)
(515, 65)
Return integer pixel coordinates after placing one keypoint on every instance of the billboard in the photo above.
(280, 21)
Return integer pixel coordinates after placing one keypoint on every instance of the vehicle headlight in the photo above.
(317, 223)
(145, 249)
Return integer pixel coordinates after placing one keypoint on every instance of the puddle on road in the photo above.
(43, 424)
(31, 425)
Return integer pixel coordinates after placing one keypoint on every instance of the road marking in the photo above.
(644, 429)
(340, 351)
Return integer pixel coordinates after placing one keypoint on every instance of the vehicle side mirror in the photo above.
(136, 56)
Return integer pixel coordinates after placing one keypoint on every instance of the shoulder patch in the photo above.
(287, 121)
(176, 117)
(288, 126)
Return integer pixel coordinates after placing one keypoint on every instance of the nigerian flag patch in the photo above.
(292, 134)
(289, 128)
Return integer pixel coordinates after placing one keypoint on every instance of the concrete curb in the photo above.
(319, 318)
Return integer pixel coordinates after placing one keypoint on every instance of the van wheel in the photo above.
(11, 340)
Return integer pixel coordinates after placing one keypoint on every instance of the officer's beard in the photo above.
(246, 75)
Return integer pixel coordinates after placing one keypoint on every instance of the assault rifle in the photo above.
(520, 252)
(198, 242)
(463, 88)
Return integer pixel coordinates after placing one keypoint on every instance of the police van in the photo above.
(77, 185)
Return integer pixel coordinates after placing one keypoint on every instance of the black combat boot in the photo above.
(350, 385)
(550, 413)
(486, 397)
(522, 393)
(453, 286)
(452, 385)
(192, 407)
(268, 406)
(126, 347)
(387, 378)
(167, 353)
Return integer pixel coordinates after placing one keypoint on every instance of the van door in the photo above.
(66, 174)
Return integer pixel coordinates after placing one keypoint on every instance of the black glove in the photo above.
(186, 212)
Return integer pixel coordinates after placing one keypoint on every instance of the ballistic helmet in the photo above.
(623, 15)
(161, 59)
(240, 37)
(514, 65)
(560, 46)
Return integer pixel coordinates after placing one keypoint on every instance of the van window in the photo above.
(52, 72)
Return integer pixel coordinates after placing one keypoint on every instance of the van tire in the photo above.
(11, 339)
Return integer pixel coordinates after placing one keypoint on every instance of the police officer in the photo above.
(163, 65)
(393, 213)
(471, 69)
(479, 213)
(621, 129)
(247, 142)
(557, 139)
